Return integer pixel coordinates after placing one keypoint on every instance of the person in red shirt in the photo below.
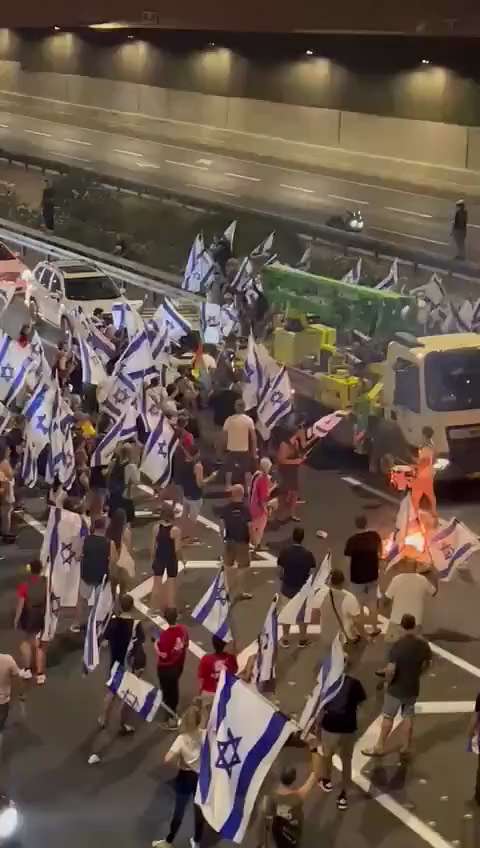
(171, 648)
(210, 669)
(29, 616)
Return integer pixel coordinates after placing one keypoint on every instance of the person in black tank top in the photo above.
(165, 549)
(193, 485)
(98, 558)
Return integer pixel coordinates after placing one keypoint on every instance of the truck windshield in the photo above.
(91, 288)
(452, 380)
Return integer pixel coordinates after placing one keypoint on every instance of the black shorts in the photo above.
(119, 502)
(239, 462)
(159, 568)
(3, 714)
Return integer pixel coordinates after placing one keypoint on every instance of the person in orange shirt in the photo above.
(422, 485)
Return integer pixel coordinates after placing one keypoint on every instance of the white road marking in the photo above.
(297, 188)
(39, 526)
(141, 591)
(78, 141)
(242, 177)
(215, 190)
(349, 199)
(475, 226)
(410, 236)
(439, 707)
(186, 165)
(37, 132)
(71, 156)
(127, 152)
(408, 212)
(4, 126)
(148, 165)
(206, 162)
(357, 484)
(420, 828)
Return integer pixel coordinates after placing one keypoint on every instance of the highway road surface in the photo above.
(405, 217)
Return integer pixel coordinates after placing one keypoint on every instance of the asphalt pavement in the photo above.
(402, 216)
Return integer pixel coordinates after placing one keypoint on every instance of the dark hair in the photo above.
(99, 524)
(4, 448)
(427, 432)
(36, 566)
(171, 615)
(408, 622)
(361, 522)
(126, 603)
(218, 644)
(116, 527)
(337, 577)
(298, 535)
(288, 776)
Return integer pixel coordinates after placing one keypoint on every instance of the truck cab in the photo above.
(435, 381)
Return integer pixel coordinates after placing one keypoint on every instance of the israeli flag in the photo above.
(353, 276)
(244, 735)
(461, 317)
(98, 619)
(476, 317)
(305, 262)
(229, 233)
(15, 363)
(243, 275)
(299, 608)
(136, 361)
(210, 323)
(391, 280)
(265, 246)
(433, 292)
(452, 545)
(93, 372)
(38, 413)
(213, 610)
(168, 317)
(125, 316)
(103, 347)
(117, 391)
(105, 449)
(6, 418)
(137, 694)
(229, 320)
(264, 669)
(405, 516)
(40, 366)
(29, 469)
(256, 376)
(158, 453)
(200, 268)
(159, 340)
(276, 404)
(60, 554)
(330, 680)
(61, 457)
(324, 425)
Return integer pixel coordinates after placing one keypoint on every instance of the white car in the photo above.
(61, 285)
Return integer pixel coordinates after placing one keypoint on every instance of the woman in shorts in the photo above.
(166, 549)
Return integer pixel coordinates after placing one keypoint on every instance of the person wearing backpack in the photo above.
(30, 618)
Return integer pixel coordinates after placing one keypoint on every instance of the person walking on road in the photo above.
(241, 446)
(338, 612)
(408, 659)
(365, 550)
(459, 229)
(185, 753)
(237, 522)
(171, 649)
(48, 206)
(30, 617)
(194, 481)
(210, 669)
(283, 807)
(166, 551)
(99, 557)
(259, 500)
(295, 563)
(408, 592)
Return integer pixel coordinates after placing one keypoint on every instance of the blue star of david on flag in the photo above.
(222, 597)
(6, 373)
(41, 424)
(230, 745)
(162, 448)
(67, 553)
(120, 396)
(277, 397)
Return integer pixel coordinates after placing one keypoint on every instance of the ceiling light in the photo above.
(309, 52)
(425, 61)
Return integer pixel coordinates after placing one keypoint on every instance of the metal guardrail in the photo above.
(417, 257)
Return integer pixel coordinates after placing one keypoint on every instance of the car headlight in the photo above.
(8, 820)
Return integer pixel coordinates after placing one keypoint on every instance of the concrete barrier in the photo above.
(423, 153)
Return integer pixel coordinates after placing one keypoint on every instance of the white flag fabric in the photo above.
(353, 276)
(452, 545)
(103, 347)
(60, 554)
(40, 367)
(305, 262)
(15, 363)
(229, 233)
(265, 246)
(213, 610)
(5, 418)
(255, 376)
(200, 268)
(98, 619)
(136, 363)
(229, 320)
(406, 514)
(169, 318)
(264, 669)
(137, 694)
(391, 280)
(158, 453)
(210, 323)
(116, 393)
(105, 449)
(299, 608)
(433, 291)
(325, 425)
(125, 316)
(330, 680)
(93, 371)
(38, 414)
(244, 736)
(276, 404)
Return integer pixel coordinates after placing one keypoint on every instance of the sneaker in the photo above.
(284, 643)
(74, 628)
(342, 803)
(126, 730)
(26, 674)
(325, 785)
(160, 843)
(41, 679)
(304, 643)
(101, 723)
(194, 844)
(93, 760)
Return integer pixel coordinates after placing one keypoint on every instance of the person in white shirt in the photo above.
(241, 446)
(185, 752)
(338, 611)
(408, 592)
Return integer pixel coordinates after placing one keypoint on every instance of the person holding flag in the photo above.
(283, 806)
(210, 669)
(296, 563)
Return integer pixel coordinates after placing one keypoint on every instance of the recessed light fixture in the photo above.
(309, 52)
(57, 29)
(425, 61)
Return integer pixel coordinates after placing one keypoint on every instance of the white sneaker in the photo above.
(93, 760)
(74, 628)
(26, 673)
(41, 679)
(160, 843)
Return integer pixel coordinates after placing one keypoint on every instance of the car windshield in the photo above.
(91, 288)
(452, 380)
